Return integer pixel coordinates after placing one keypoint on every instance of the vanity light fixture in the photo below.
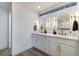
(75, 16)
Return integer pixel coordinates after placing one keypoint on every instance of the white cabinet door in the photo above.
(44, 44)
(52, 47)
(68, 50)
(34, 39)
(40, 42)
(37, 39)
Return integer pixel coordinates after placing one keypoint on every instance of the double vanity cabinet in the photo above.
(61, 28)
(55, 45)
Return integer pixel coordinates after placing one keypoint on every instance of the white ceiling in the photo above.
(32, 5)
(43, 5)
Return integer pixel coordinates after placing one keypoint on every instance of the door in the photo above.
(34, 39)
(4, 32)
(37, 41)
(52, 47)
(40, 42)
(44, 44)
(5, 44)
(68, 50)
(4, 29)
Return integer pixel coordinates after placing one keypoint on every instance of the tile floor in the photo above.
(4, 52)
(32, 52)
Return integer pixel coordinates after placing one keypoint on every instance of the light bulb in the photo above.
(38, 7)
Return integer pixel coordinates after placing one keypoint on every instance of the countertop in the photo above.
(59, 36)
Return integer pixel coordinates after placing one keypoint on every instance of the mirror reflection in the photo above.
(63, 23)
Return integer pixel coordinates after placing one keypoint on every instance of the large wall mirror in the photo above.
(63, 22)
(59, 20)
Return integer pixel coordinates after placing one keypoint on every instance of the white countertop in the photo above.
(60, 36)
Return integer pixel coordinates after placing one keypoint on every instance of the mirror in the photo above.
(63, 23)
(61, 20)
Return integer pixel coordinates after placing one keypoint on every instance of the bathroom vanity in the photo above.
(60, 39)
(56, 45)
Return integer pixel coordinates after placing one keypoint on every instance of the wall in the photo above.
(78, 11)
(22, 27)
(78, 22)
(4, 28)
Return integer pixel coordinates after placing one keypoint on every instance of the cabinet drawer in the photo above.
(54, 39)
(68, 51)
(69, 42)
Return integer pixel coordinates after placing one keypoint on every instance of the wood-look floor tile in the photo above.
(32, 52)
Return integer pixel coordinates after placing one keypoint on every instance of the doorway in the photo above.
(5, 31)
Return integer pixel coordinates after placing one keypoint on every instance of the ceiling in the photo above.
(32, 5)
(43, 5)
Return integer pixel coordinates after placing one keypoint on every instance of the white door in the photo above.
(37, 41)
(4, 29)
(40, 42)
(53, 47)
(44, 44)
(68, 50)
(34, 39)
